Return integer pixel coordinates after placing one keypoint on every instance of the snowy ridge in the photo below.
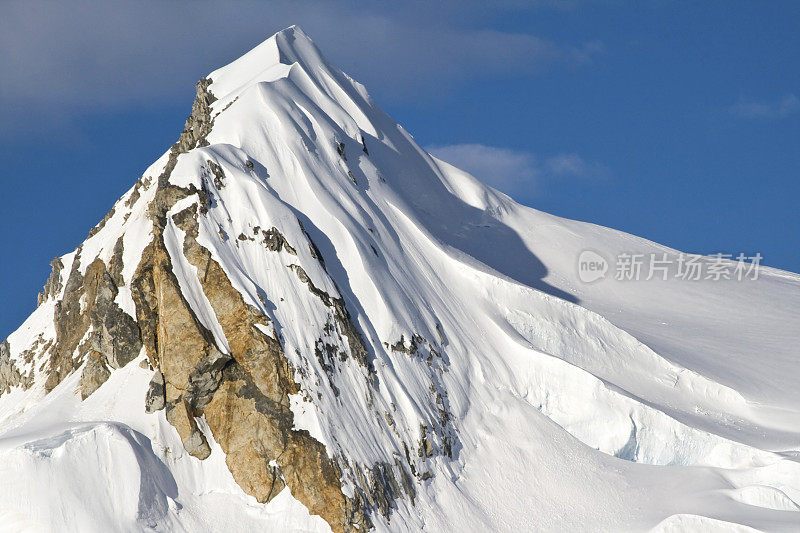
(517, 397)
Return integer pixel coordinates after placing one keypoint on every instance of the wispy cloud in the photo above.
(60, 58)
(502, 168)
(784, 107)
(517, 171)
(573, 165)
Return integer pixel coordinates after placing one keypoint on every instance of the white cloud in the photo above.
(516, 171)
(784, 107)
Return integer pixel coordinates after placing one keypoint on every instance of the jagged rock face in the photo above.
(53, 285)
(88, 319)
(341, 315)
(176, 342)
(116, 334)
(95, 372)
(244, 395)
(199, 123)
(242, 390)
(9, 374)
(275, 242)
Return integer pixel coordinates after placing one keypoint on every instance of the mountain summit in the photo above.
(299, 320)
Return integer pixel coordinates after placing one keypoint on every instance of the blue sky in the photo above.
(675, 121)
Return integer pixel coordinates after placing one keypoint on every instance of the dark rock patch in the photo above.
(155, 398)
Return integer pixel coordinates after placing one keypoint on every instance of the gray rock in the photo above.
(53, 285)
(194, 442)
(344, 322)
(116, 334)
(100, 225)
(275, 241)
(197, 445)
(205, 378)
(199, 123)
(219, 175)
(95, 373)
(155, 398)
(9, 375)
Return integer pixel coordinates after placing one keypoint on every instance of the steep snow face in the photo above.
(443, 351)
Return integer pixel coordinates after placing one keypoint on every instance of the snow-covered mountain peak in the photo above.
(268, 61)
(292, 57)
(297, 319)
(288, 46)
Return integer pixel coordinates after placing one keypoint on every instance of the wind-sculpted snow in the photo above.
(335, 330)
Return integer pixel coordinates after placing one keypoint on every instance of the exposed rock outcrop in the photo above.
(53, 285)
(249, 414)
(219, 175)
(100, 225)
(9, 374)
(242, 394)
(383, 485)
(87, 318)
(94, 374)
(155, 399)
(275, 241)
(177, 344)
(342, 317)
(182, 417)
(115, 333)
(400, 346)
(200, 122)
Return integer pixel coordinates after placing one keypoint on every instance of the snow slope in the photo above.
(651, 405)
